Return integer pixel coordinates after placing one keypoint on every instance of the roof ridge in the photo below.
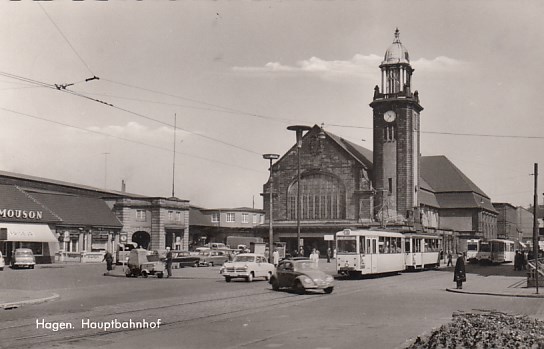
(39, 203)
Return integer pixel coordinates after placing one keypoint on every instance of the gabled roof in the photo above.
(443, 176)
(13, 198)
(29, 178)
(362, 154)
(79, 210)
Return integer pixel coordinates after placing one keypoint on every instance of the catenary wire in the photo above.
(124, 139)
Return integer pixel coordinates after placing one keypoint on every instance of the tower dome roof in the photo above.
(396, 53)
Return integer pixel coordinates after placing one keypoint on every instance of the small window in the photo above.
(178, 216)
(215, 217)
(231, 217)
(140, 215)
(170, 215)
(255, 219)
(245, 218)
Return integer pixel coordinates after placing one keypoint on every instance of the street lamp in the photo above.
(299, 129)
(270, 189)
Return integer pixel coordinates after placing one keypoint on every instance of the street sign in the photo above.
(329, 237)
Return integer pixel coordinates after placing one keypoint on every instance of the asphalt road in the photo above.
(200, 310)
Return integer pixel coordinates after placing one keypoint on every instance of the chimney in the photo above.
(123, 186)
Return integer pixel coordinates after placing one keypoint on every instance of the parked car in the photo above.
(247, 266)
(210, 258)
(301, 275)
(143, 263)
(23, 258)
(2, 263)
(182, 259)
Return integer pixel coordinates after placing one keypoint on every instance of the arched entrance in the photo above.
(142, 238)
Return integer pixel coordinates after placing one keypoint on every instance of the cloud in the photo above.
(359, 66)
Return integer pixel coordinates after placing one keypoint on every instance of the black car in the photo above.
(301, 275)
(182, 259)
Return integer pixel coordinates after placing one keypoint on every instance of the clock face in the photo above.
(389, 116)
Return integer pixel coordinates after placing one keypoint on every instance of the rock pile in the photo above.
(485, 330)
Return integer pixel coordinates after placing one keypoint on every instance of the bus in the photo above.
(421, 251)
(473, 246)
(364, 252)
(496, 251)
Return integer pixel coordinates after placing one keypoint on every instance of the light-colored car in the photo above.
(23, 258)
(301, 275)
(247, 266)
(213, 257)
(2, 263)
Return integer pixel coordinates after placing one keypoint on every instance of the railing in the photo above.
(531, 273)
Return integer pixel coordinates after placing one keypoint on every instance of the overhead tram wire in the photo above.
(55, 87)
(66, 39)
(448, 133)
(125, 139)
(223, 108)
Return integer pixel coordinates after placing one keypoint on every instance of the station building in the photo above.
(344, 185)
(66, 222)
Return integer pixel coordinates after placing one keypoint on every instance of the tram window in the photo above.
(407, 246)
(362, 245)
(373, 245)
(347, 246)
(368, 246)
(417, 245)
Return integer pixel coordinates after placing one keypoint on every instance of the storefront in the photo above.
(38, 237)
(58, 227)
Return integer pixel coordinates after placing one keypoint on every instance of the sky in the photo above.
(232, 75)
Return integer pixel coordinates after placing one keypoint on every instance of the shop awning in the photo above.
(26, 232)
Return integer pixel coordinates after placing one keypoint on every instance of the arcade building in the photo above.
(66, 222)
(344, 185)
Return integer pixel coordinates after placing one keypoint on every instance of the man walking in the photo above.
(168, 262)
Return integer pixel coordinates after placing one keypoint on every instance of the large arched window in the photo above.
(322, 197)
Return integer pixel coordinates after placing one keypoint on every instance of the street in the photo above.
(198, 309)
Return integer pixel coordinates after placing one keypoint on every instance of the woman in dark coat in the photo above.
(108, 257)
(459, 275)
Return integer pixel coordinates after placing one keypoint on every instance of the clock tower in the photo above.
(396, 150)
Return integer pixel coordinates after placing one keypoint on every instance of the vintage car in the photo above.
(23, 258)
(2, 263)
(247, 266)
(301, 275)
(182, 259)
(209, 258)
(143, 263)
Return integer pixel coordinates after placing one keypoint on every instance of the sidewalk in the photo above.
(10, 299)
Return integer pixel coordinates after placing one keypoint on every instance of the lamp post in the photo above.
(270, 189)
(298, 129)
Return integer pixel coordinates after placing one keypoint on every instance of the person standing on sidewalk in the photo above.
(276, 257)
(459, 274)
(108, 257)
(449, 259)
(168, 262)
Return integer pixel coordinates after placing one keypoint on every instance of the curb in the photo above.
(18, 304)
(496, 294)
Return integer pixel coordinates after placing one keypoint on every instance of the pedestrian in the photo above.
(450, 263)
(301, 252)
(523, 260)
(276, 257)
(517, 261)
(329, 253)
(459, 274)
(108, 257)
(168, 262)
(314, 257)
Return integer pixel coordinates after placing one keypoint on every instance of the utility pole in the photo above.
(535, 226)
(174, 160)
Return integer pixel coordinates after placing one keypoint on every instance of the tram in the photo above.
(496, 251)
(473, 246)
(364, 252)
(421, 251)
